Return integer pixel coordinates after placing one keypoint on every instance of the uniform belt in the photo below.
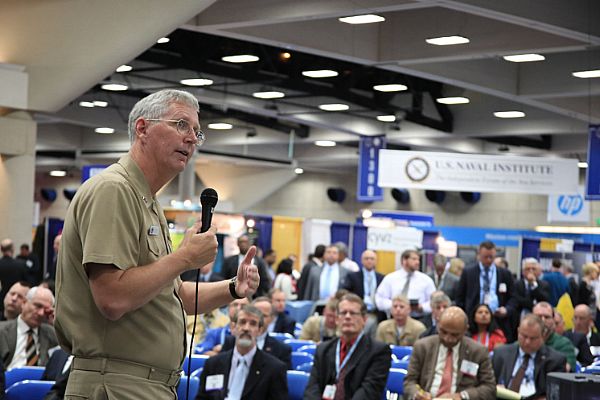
(111, 365)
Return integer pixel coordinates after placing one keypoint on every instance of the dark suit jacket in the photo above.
(468, 296)
(191, 276)
(355, 283)
(8, 341)
(11, 271)
(432, 330)
(230, 267)
(366, 370)
(55, 365)
(266, 379)
(524, 299)
(448, 285)
(285, 324)
(546, 361)
(421, 369)
(584, 355)
(272, 346)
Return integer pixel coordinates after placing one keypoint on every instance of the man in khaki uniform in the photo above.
(401, 329)
(120, 303)
(320, 328)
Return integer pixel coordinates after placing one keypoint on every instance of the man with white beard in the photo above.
(244, 372)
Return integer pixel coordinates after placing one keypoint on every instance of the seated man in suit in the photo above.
(14, 299)
(522, 366)
(353, 366)
(551, 339)
(584, 355)
(583, 322)
(215, 337)
(282, 322)
(401, 330)
(449, 364)
(439, 302)
(27, 339)
(263, 341)
(244, 372)
(320, 328)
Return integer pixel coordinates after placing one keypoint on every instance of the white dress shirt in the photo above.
(329, 280)
(441, 364)
(20, 357)
(420, 288)
(237, 357)
(350, 265)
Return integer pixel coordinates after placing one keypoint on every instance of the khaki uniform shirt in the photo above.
(387, 332)
(114, 219)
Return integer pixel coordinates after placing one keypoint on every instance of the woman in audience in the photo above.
(456, 266)
(587, 286)
(285, 280)
(484, 329)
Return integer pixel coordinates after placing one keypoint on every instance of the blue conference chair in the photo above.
(194, 387)
(394, 388)
(299, 310)
(400, 364)
(592, 369)
(297, 381)
(401, 351)
(306, 367)
(309, 348)
(198, 361)
(28, 390)
(19, 374)
(300, 358)
(281, 336)
(295, 344)
(297, 330)
(197, 373)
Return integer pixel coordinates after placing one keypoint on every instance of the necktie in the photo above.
(30, 350)
(446, 383)
(515, 385)
(486, 280)
(405, 288)
(371, 287)
(339, 385)
(238, 381)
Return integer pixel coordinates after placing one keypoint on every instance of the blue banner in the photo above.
(592, 176)
(90, 170)
(368, 167)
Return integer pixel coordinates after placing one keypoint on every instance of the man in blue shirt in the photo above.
(216, 337)
(559, 285)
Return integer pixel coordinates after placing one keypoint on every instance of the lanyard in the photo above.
(339, 367)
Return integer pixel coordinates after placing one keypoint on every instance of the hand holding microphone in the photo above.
(201, 239)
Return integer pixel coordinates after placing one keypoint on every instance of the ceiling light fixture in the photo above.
(568, 229)
(240, 58)
(86, 104)
(98, 103)
(163, 40)
(320, 73)
(299, 171)
(268, 95)
(524, 57)
(58, 172)
(334, 107)
(392, 87)
(105, 130)
(325, 143)
(453, 100)
(582, 164)
(592, 73)
(509, 114)
(196, 82)
(386, 118)
(447, 40)
(220, 126)
(124, 68)
(362, 19)
(114, 87)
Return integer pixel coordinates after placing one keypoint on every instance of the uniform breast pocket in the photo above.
(156, 247)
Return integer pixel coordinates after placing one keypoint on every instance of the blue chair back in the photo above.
(182, 387)
(400, 364)
(308, 348)
(19, 374)
(281, 336)
(297, 381)
(592, 369)
(198, 361)
(300, 358)
(297, 329)
(306, 367)
(401, 351)
(295, 344)
(197, 373)
(394, 388)
(28, 390)
(299, 310)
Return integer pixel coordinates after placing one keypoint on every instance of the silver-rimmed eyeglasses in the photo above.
(184, 128)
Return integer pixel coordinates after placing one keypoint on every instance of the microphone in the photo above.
(208, 199)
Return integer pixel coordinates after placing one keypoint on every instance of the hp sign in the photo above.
(570, 204)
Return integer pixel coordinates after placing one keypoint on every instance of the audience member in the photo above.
(14, 299)
(583, 322)
(284, 280)
(558, 283)
(353, 366)
(320, 328)
(324, 282)
(51, 270)
(215, 337)
(343, 259)
(205, 322)
(407, 281)
(282, 322)
(449, 364)
(523, 366)
(27, 339)
(315, 262)
(457, 266)
(401, 330)
(443, 279)
(559, 343)
(483, 283)
(230, 266)
(270, 258)
(32, 263)
(484, 329)
(11, 270)
(207, 274)
(501, 262)
(439, 302)
(586, 293)
(530, 290)
(582, 348)
(245, 371)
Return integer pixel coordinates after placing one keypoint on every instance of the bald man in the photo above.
(449, 364)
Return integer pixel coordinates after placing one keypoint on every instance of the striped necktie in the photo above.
(30, 350)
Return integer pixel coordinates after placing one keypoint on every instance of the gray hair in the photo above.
(31, 294)
(439, 299)
(156, 105)
(529, 260)
(250, 309)
(342, 248)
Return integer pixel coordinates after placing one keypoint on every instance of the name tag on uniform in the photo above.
(153, 231)
(502, 287)
(214, 382)
(329, 392)
(469, 368)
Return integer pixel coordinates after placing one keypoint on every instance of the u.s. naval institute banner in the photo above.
(477, 172)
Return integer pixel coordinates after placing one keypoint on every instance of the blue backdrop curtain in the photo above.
(530, 248)
(359, 242)
(340, 232)
(264, 226)
(429, 240)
